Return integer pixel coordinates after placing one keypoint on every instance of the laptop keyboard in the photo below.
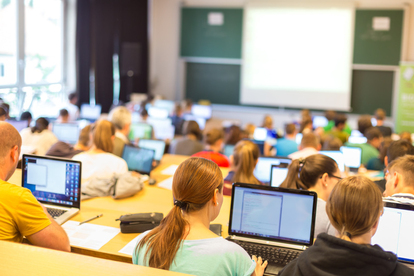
(56, 212)
(273, 255)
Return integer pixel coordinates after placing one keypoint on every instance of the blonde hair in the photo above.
(102, 135)
(405, 166)
(354, 205)
(245, 155)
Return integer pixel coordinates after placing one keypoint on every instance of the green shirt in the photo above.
(367, 152)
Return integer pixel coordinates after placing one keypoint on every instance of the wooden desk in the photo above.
(22, 259)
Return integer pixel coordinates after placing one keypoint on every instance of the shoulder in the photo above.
(12, 191)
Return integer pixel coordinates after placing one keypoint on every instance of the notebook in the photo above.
(55, 182)
(156, 145)
(138, 159)
(278, 174)
(338, 156)
(352, 157)
(273, 219)
(68, 133)
(263, 167)
(395, 231)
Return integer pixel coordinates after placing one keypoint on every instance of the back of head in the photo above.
(340, 119)
(63, 112)
(268, 122)
(380, 114)
(372, 133)
(41, 124)
(102, 135)
(120, 116)
(385, 144)
(290, 129)
(306, 123)
(364, 122)
(6, 108)
(84, 136)
(305, 173)
(406, 135)
(178, 110)
(191, 127)
(26, 116)
(233, 135)
(213, 135)
(332, 143)
(3, 113)
(10, 137)
(399, 148)
(405, 166)
(310, 140)
(194, 185)
(354, 206)
(72, 96)
(330, 115)
(245, 156)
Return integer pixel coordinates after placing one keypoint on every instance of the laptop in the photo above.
(200, 120)
(274, 223)
(19, 125)
(352, 158)
(357, 140)
(90, 112)
(140, 131)
(228, 150)
(54, 182)
(68, 133)
(278, 174)
(260, 134)
(338, 156)
(163, 128)
(395, 231)
(156, 145)
(263, 167)
(138, 159)
(203, 111)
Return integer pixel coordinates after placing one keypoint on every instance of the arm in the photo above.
(52, 236)
(260, 266)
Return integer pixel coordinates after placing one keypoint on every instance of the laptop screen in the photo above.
(203, 111)
(278, 174)
(264, 167)
(138, 159)
(140, 130)
(395, 230)
(90, 112)
(19, 125)
(200, 120)
(352, 157)
(52, 180)
(337, 156)
(163, 128)
(156, 145)
(228, 150)
(68, 133)
(276, 214)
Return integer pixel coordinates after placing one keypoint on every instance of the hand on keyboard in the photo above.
(260, 265)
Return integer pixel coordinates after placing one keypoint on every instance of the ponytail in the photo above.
(245, 155)
(292, 180)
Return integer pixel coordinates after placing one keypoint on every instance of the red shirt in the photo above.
(218, 158)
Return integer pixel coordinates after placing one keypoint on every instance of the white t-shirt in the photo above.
(303, 153)
(73, 111)
(41, 142)
(322, 223)
(102, 165)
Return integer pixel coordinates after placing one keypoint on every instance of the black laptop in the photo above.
(138, 159)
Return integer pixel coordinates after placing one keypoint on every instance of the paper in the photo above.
(381, 23)
(166, 184)
(129, 248)
(89, 235)
(215, 18)
(170, 170)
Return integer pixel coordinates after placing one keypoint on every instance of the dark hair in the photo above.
(233, 135)
(406, 135)
(385, 144)
(332, 143)
(6, 108)
(26, 116)
(340, 119)
(330, 115)
(63, 112)
(143, 112)
(290, 128)
(213, 135)
(41, 124)
(194, 185)
(364, 122)
(310, 140)
(305, 123)
(72, 96)
(191, 127)
(399, 148)
(3, 111)
(304, 173)
(380, 114)
(372, 133)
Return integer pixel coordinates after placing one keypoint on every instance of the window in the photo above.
(31, 57)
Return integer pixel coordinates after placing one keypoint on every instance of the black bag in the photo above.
(141, 222)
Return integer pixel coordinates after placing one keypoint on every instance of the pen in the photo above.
(95, 217)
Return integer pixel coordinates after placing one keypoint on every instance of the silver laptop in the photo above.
(352, 158)
(55, 182)
(157, 145)
(68, 133)
(263, 167)
(395, 231)
(278, 174)
(274, 223)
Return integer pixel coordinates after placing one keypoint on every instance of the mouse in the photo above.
(152, 181)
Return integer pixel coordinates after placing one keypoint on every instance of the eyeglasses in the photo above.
(334, 176)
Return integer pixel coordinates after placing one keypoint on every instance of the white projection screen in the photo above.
(298, 55)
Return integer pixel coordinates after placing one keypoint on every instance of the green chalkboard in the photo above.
(200, 39)
(371, 90)
(217, 83)
(378, 47)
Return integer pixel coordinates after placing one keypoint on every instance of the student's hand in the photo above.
(260, 265)
(136, 174)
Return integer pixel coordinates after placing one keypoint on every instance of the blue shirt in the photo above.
(215, 256)
(284, 147)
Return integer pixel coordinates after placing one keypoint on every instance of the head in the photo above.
(364, 123)
(11, 143)
(290, 130)
(143, 113)
(406, 135)
(332, 143)
(244, 160)
(330, 115)
(188, 104)
(397, 149)
(178, 110)
(233, 135)
(306, 125)
(6, 108)
(103, 135)
(250, 128)
(305, 113)
(316, 171)
(121, 118)
(73, 98)
(84, 137)
(64, 115)
(214, 139)
(354, 206)
(374, 137)
(310, 140)
(3, 114)
(192, 128)
(26, 116)
(380, 114)
(268, 122)
(197, 191)
(41, 125)
(340, 120)
(400, 176)
(385, 144)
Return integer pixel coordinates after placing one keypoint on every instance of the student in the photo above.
(331, 143)
(3, 114)
(190, 143)
(406, 135)
(287, 145)
(318, 173)
(214, 144)
(6, 107)
(183, 242)
(99, 160)
(306, 126)
(72, 108)
(354, 209)
(400, 180)
(242, 163)
(380, 117)
(39, 137)
(364, 123)
(233, 135)
(63, 116)
(65, 150)
(370, 148)
(20, 213)
(377, 163)
(177, 119)
(26, 116)
(308, 146)
(330, 116)
(339, 130)
(121, 117)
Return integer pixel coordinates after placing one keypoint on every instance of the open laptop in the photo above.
(90, 112)
(278, 174)
(157, 145)
(263, 167)
(68, 133)
(228, 150)
(274, 223)
(139, 131)
(138, 159)
(338, 156)
(55, 182)
(19, 125)
(395, 231)
(352, 158)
